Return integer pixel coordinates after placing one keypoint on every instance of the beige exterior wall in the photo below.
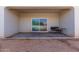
(10, 23)
(67, 22)
(1, 21)
(76, 14)
(25, 20)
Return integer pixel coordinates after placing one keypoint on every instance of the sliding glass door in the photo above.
(39, 24)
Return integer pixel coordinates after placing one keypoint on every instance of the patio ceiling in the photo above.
(39, 9)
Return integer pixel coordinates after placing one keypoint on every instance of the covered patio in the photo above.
(19, 22)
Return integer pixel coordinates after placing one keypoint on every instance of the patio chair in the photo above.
(56, 29)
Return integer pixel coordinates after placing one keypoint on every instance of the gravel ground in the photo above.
(26, 45)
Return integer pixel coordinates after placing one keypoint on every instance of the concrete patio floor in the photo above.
(38, 35)
(26, 45)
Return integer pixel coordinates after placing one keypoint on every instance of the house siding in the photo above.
(76, 14)
(10, 23)
(2, 21)
(26, 20)
(67, 22)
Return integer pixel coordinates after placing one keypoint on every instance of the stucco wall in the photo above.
(26, 19)
(76, 13)
(11, 22)
(67, 22)
(1, 21)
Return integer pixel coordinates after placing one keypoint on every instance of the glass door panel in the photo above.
(43, 24)
(35, 24)
(39, 24)
(35, 28)
(43, 28)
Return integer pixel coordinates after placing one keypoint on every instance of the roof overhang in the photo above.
(39, 8)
